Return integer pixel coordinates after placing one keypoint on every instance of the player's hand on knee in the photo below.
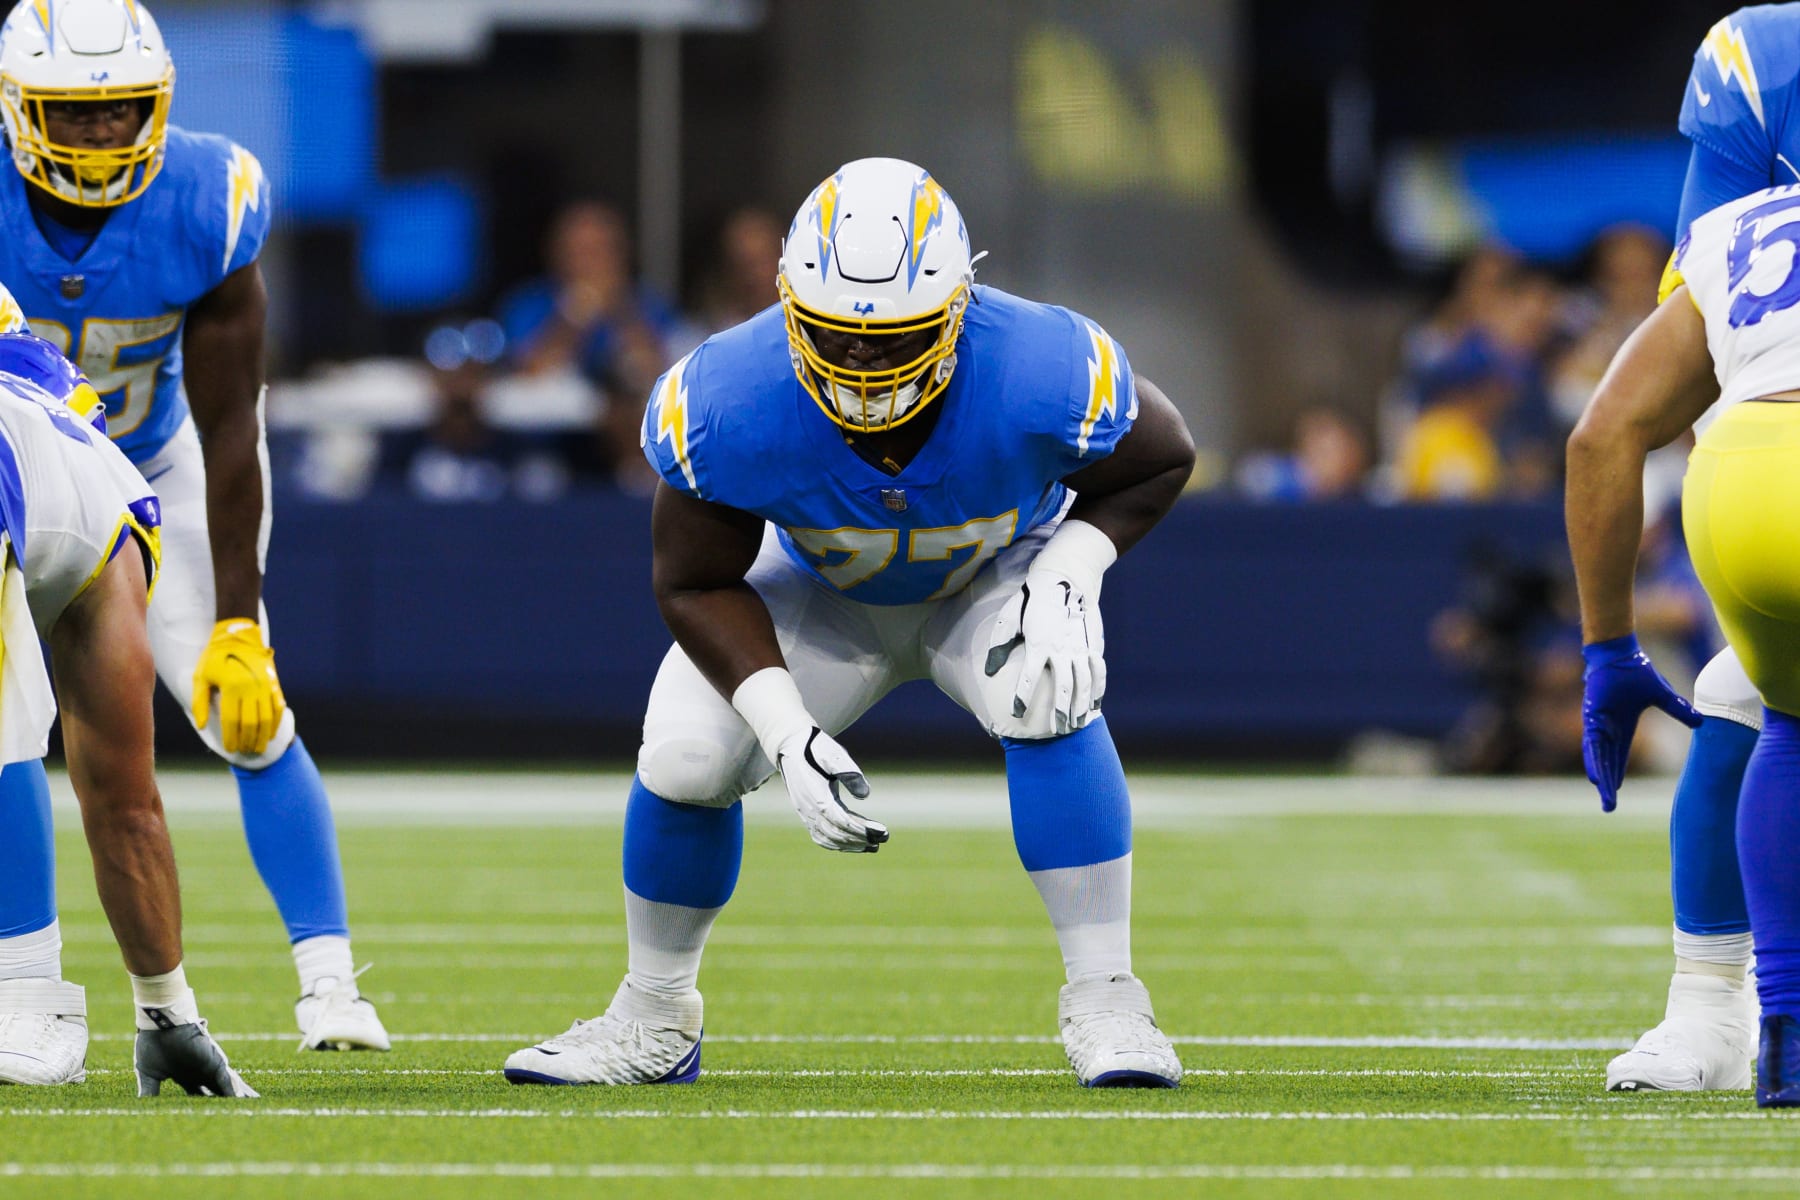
(239, 668)
(1618, 685)
(1061, 644)
(815, 767)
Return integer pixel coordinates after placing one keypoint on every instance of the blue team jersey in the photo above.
(117, 309)
(1741, 95)
(1038, 393)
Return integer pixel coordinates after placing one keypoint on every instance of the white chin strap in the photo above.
(881, 408)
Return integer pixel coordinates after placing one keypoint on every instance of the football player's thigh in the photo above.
(957, 640)
(696, 748)
(1741, 510)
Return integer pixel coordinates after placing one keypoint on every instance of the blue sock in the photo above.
(1069, 804)
(1768, 838)
(293, 842)
(28, 878)
(686, 854)
(1703, 853)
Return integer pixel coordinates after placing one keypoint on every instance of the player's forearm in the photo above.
(727, 632)
(105, 679)
(234, 513)
(1604, 509)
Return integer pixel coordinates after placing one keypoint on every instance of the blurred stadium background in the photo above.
(1378, 251)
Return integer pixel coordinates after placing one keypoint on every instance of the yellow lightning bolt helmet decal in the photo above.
(672, 418)
(1103, 384)
(1725, 46)
(245, 182)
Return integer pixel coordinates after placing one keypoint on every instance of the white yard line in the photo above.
(253, 1111)
(920, 800)
(1219, 1171)
(1400, 1042)
(924, 1073)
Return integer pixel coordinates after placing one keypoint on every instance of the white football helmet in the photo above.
(879, 248)
(55, 51)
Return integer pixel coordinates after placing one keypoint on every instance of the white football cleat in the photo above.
(1109, 1033)
(642, 1037)
(43, 1032)
(1706, 1041)
(334, 1016)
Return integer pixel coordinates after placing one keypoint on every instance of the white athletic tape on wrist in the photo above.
(769, 701)
(1081, 553)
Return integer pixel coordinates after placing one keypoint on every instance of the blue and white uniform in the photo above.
(875, 579)
(117, 309)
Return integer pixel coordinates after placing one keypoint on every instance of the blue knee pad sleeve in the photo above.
(293, 842)
(1768, 834)
(1069, 804)
(28, 867)
(1703, 856)
(685, 854)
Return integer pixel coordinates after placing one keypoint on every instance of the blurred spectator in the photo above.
(460, 456)
(742, 282)
(1624, 271)
(577, 317)
(609, 450)
(1452, 451)
(1329, 461)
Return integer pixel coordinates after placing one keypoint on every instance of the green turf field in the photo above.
(1378, 989)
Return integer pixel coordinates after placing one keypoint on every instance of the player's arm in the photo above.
(223, 351)
(222, 348)
(1659, 384)
(100, 651)
(701, 553)
(1127, 492)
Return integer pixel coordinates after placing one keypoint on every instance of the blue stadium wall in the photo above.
(407, 630)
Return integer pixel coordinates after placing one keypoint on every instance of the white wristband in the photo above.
(1080, 553)
(769, 701)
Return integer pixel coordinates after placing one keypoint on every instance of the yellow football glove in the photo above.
(240, 667)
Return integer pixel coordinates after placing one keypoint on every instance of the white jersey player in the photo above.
(79, 536)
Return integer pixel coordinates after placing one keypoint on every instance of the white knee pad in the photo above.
(692, 770)
(1723, 690)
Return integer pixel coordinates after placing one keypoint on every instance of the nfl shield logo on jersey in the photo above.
(894, 499)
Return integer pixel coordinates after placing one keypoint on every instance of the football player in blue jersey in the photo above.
(894, 474)
(78, 554)
(172, 339)
(1736, 114)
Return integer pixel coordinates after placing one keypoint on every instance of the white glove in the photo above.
(813, 766)
(1055, 622)
(811, 763)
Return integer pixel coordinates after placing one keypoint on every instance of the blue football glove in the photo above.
(1618, 686)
